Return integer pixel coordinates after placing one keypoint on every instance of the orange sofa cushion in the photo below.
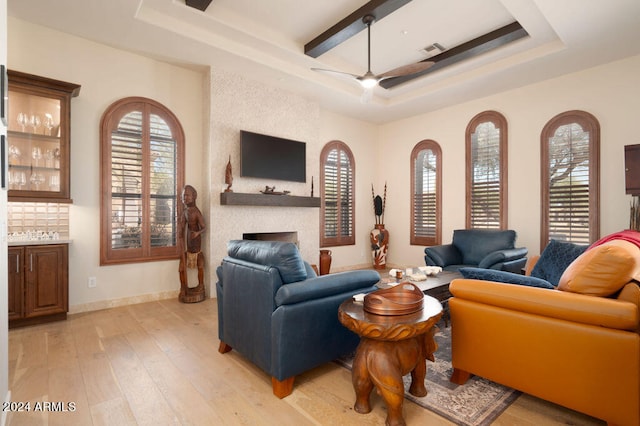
(602, 270)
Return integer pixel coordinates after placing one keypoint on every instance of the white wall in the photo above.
(4, 323)
(610, 92)
(106, 75)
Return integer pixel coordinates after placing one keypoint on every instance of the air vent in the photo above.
(432, 49)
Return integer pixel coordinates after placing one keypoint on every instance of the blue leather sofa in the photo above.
(275, 311)
(480, 248)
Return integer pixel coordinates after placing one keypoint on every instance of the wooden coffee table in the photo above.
(390, 347)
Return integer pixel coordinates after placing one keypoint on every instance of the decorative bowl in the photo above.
(405, 298)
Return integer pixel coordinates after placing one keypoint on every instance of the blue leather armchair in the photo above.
(275, 311)
(480, 248)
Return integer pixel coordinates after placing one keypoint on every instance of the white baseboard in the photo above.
(7, 398)
(114, 303)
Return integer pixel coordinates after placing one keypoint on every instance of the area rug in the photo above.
(477, 403)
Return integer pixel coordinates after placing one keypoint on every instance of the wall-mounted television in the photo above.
(271, 157)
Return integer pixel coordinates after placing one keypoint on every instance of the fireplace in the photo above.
(289, 237)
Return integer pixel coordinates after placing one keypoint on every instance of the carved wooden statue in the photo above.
(190, 228)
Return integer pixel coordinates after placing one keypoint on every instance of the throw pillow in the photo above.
(504, 277)
(602, 270)
(555, 258)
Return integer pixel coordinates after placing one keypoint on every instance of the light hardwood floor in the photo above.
(157, 364)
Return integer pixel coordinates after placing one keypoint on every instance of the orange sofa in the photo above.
(577, 346)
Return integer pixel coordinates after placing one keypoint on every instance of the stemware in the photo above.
(54, 183)
(48, 158)
(48, 124)
(36, 153)
(35, 121)
(22, 120)
(14, 155)
(36, 180)
(22, 179)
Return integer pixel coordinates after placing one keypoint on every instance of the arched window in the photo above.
(426, 194)
(570, 171)
(142, 170)
(486, 165)
(337, 183)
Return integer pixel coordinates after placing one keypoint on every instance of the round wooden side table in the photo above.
(390, 347)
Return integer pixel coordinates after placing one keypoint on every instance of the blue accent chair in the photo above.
(479, 248)
(275, 311)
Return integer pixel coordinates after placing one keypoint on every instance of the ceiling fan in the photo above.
(369, 80)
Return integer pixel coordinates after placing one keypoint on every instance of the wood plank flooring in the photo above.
(157, 364)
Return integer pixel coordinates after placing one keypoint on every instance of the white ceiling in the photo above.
(264, 40)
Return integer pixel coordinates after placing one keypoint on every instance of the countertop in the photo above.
(37, 242)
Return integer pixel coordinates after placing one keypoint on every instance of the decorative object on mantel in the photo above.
(228, 176)
(312, 186)
(379, 235)
(271, 190)
(325, 262)
(634, 220)
(190, 228)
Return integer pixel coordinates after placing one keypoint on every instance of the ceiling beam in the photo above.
(475, 47)
(198, 4)
(351, 25)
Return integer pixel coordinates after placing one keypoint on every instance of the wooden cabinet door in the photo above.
(15, 267)
(46, 280)
(632, 169)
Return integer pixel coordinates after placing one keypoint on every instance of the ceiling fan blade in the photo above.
(338, 73)
(407, 70)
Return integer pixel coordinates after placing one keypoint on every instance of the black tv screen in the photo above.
(271, 157)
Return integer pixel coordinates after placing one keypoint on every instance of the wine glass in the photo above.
(35, 121)
(48, 158)
(36, 180)
(14, 155)
(54, 183)
(22, 120)
(22, 179)
(36, 153)
(48, 123)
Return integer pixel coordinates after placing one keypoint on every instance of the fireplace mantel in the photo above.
(241, 199)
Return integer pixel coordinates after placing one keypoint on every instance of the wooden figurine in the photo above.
(190, 228)
(228, 176)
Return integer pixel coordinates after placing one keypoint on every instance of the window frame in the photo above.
(424, 145)
(500, 122)
(110, 120)
(589, 123)
(339, 240)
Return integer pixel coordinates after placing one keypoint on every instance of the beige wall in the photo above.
(213, 106)
(610, 92)
(106, 75)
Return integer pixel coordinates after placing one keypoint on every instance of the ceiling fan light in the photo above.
(368, 82)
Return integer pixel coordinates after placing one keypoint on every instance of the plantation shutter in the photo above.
(126, 182)
(425, 217)
(142, 173)
(568, 183)
(337, 196)
(485, 177)
(163, 177)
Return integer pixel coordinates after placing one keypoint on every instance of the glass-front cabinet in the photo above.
(39, 137)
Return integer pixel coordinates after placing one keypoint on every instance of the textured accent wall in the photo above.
(240, 104)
